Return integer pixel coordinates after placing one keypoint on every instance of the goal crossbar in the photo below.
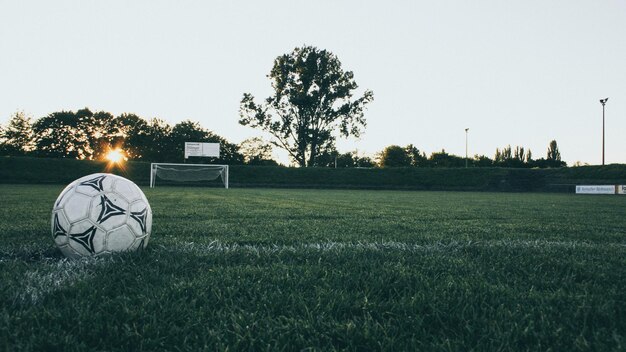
(188, 172)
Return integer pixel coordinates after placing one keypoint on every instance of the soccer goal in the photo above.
(188, 173)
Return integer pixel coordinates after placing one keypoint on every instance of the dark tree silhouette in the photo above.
(57, 135)
(416, 157)
(553, 157)
(443, 159)
(394, 156)
(17, 137)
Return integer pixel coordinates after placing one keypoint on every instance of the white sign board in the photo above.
(621, 189)
(598, 189)
(202, 149)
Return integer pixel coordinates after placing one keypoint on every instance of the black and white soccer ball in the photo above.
(100, 214)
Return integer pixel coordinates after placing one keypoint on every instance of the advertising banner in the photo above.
(596, 189)
(202, 149)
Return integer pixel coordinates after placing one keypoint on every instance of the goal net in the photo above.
(188, 173)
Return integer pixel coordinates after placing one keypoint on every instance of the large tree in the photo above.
(311, 105)
(58, 135)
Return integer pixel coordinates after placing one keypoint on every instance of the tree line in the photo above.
(90, 135)
(518, 157)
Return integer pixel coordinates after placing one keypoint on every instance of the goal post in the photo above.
(188, 173)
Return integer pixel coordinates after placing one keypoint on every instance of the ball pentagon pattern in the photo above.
(100, 214)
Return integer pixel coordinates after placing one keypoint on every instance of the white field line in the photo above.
(57, 274)
(221, 247)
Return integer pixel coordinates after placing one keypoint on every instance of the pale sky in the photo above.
(513, 72)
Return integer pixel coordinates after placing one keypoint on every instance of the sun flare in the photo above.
(115, 156)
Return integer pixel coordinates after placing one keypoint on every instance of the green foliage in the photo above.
(520, 158)
(394, 156)
(98, 128)
(553, 156)
(57, 135)
(67, 134)
(443, 159)
(17, 137)
(157, 141)
(553, 152)
(482, 161)
(352, 159)
(324, 270)
(311, 104)
(509, 157)
(141, 139)
(416, 157)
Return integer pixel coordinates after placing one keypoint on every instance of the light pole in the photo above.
(603, 102)
(467, 129)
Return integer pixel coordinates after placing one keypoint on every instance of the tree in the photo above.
(256, 151)
(344, 160)
(154, 142)
(416, 158)
(360, 161)
(443, 159)
(394, 156)
(67, 134)
(17, 137)
(96, 131)
(3, 146)
(57, 135)
(553, 152)
(133, 134)
(100, 130)
(504, 157)
(311, 103)
(529, 157)
(184, 131)
(327, 156)
(482, 160)
(553, 157)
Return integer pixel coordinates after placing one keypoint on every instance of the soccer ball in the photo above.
(100, 214)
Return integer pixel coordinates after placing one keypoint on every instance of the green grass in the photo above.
(276, 270)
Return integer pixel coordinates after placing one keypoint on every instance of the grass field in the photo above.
(259, 269)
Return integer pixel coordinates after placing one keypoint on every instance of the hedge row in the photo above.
(63, 171)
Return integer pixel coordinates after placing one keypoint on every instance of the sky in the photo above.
(518, 73)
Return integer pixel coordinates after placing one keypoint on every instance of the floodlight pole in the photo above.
(467, 129)
(603, 102)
